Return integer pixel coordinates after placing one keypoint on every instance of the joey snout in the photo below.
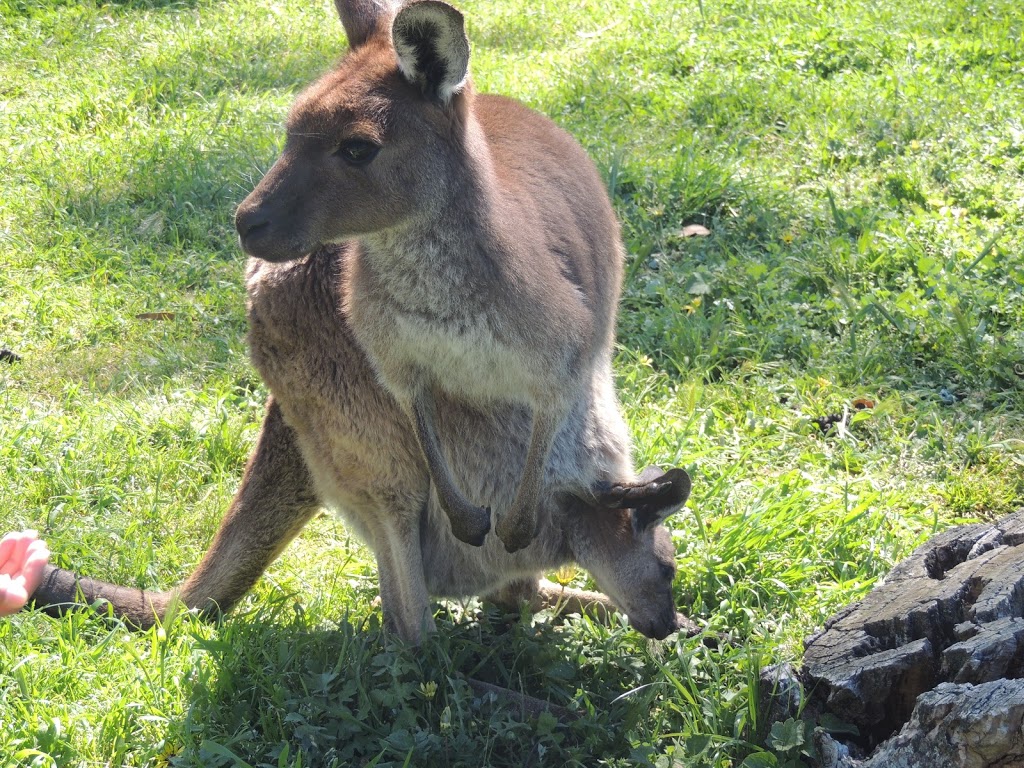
(662, 625)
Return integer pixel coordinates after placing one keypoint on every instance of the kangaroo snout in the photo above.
(260, 236)
(256, 237)
(268, 221)
(661, 627)
(249, 221)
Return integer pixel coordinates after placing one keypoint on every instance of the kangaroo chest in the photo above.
(348, 426)
(444, 325)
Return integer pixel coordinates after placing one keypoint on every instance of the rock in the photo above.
(960, 726)
(781, 693)
(925, 666)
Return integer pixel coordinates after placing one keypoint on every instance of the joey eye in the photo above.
(357, 151)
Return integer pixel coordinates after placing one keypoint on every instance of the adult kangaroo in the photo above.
(486, 260)
(334, 436)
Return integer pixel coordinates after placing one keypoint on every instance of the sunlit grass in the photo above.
(860, 167)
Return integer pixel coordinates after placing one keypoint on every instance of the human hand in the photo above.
(23, 557)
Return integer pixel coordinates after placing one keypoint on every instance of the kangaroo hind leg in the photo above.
(276, 499)
(403, 588)
(541, 594)
(469, 522)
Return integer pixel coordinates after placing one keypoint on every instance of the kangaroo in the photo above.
(487, 261)
(334, 436)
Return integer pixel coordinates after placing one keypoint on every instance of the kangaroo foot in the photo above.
(470, 523)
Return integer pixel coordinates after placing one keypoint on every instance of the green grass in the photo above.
(860, 166)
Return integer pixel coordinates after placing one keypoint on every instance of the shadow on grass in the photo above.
(346, 696)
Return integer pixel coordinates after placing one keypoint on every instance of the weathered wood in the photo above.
(951, 612)
(994, 651)
(927, 665)
(960, 726)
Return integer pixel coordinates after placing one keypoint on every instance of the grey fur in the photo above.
(334, 435)
(488, 264)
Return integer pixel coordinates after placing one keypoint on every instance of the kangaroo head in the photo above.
(629, 553)
(376, 142)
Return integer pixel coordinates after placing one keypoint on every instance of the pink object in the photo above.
(22, 559)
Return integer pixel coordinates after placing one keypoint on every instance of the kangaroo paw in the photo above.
(470, 524)
(516, 531)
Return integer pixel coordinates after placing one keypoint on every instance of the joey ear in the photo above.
(668, 501)
(433, 51)
(362, 18)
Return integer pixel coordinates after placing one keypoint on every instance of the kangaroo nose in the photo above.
(248, 221)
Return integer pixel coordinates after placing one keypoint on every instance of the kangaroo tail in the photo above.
(275, 500)
(62, 591)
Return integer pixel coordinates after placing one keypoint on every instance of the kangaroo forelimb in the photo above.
(469, 522)
(518, 526)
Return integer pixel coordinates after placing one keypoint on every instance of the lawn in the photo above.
(860, 169)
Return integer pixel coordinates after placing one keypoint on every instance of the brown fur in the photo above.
(334, 436)
(488, 263)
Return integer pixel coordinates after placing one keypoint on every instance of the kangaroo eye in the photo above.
(357, 151)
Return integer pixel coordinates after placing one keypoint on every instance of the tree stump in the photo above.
(927, 665)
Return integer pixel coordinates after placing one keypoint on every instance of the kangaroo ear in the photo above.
(673, 492)
(362, 18)
(433, 51)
